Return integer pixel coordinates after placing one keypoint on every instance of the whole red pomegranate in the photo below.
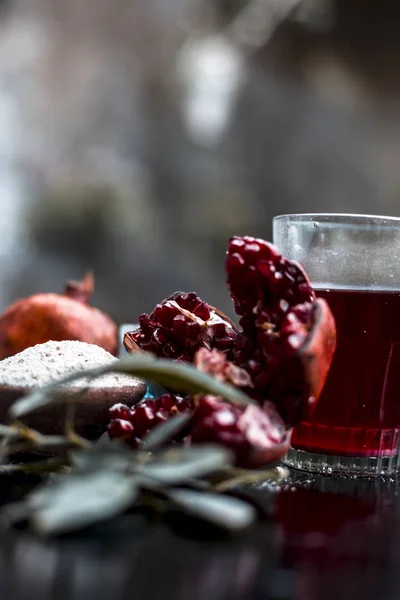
(44, 317)
(289, 336)
(179, 326)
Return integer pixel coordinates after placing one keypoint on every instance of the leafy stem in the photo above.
(106, 479)
(17, 437)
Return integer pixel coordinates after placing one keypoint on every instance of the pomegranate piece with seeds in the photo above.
(133, 424)
(217, 365)
(179, 326)
(256, 436)
(288, 336)
(262, 280)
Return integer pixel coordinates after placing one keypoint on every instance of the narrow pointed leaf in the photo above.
(113, 456)
(104, 441)
(178, 465)
(9, 431)
(165, 431)
(224, 511)
(180, 377)
(72, 502)
(13, 513)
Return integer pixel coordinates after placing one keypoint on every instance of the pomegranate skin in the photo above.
(256, 436)
(288, 336)
(317, 353)
(44, 317)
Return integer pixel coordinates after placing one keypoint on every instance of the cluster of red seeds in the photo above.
(179, 326)
(262, 282)
(275, 301)
(132, 424)
(280, 338)
(251, 433)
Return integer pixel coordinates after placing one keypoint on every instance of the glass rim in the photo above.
(340, 218)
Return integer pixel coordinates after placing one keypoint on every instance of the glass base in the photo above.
(354, 466)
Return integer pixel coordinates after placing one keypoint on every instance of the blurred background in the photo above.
(136, 136)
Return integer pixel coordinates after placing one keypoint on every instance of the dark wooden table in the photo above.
(329, 539)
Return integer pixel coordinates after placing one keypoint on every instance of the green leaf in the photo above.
(224, 511)
(114, 456)
(104, 441)
(165, 431)
(13, 513)
(75, 501)
(179, 464)
(9, 432)
(179, 377)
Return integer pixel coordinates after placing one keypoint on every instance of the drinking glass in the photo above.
(353, 261)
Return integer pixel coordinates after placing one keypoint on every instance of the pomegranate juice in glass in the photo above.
(353, 261)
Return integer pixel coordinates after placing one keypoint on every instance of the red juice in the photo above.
(358, 413)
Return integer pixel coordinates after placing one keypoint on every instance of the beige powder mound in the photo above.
(45, 363)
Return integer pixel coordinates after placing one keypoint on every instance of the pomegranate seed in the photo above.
(145, 416)
(118, 428)
(120, 411)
